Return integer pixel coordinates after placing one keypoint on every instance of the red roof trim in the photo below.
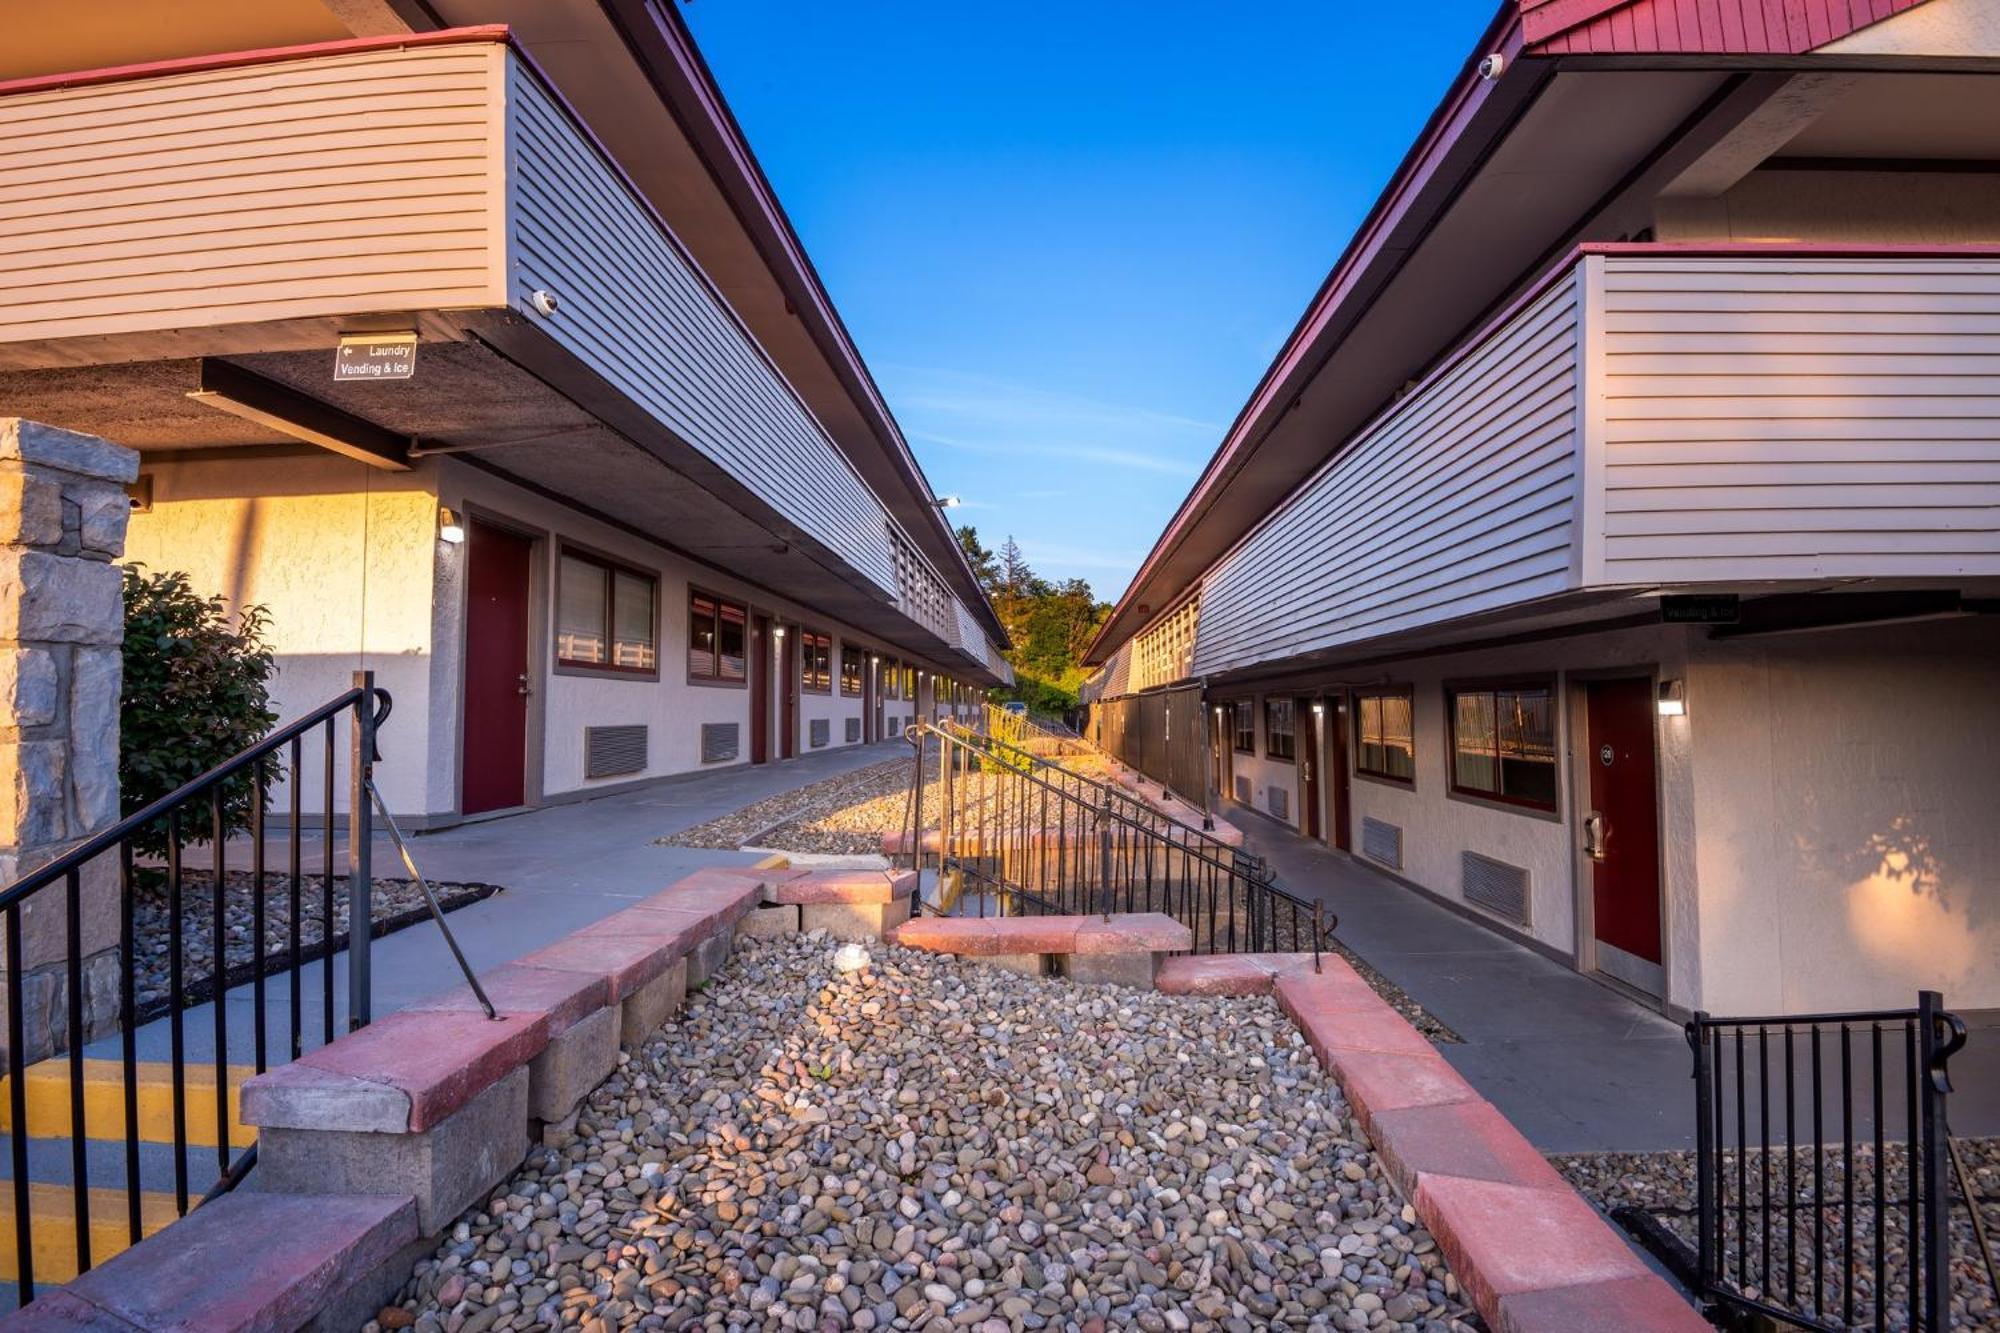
(487, 32)
(1697, 27)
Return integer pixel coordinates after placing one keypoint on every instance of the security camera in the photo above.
(543, 301)
(1492, 67)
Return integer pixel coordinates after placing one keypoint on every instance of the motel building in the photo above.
(468, 338)
(1612, 553)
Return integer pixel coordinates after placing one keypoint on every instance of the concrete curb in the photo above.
(1529, 1252)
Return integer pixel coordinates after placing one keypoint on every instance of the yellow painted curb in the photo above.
(47, 1095)
(53, 1208)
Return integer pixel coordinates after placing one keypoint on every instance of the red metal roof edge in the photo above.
(1440, 133)
(485, 32)
(1554, 273)
(712, 109)
(1698, 27)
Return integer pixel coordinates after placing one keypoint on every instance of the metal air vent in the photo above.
(1494, 885)
(818, 732)
(1242, 791)
(609, 752)
(853, 730)
(1382, 842)
(718, 742)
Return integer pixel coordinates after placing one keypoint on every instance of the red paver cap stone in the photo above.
(1132, 932)
(842, 886)
(678, 930)
(627, 963)
(1459, 1139)
(439, 1059)
(1379, 1081)
(985, 936)
(1502, 1239)
(250, 1260)
(1624, 1305)
(562, 998)
(1216, 974)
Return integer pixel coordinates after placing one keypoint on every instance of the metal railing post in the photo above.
(1934, 1083)
(1104, 854)
(1704, 1150)
(360, 850)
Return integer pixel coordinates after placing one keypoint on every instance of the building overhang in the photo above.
(630, 71)
(1511, 172)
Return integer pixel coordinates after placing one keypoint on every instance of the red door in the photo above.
(760, 690)
(788, 687)
(1309, 752)
(1336, 771)
(871, 722)
(1622, 831)
(496, 668)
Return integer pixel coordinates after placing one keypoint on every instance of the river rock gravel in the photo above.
(394, 904)
(933, 1144)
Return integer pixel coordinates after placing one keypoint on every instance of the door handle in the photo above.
(1596, 836)
(523, 687)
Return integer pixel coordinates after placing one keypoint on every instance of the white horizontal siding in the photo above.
(344, 184)
(1773, 418)
(636, 309)
(1459, 501)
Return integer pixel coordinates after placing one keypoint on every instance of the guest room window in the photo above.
(850, 670)
(716, 640)
(1278, 743)
(816, 663)
(1244, 723)
(1503, 743)
(605, 616)
(1385, 741)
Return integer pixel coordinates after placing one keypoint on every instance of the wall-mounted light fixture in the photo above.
(451, 528)
(778, 633)
(1673, 698)
(874, 659)
(1318, 708)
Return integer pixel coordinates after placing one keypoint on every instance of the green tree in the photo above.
(196, 692)
(984, 567)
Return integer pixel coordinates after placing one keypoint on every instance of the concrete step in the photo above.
(53, 1210)
(47, 1092)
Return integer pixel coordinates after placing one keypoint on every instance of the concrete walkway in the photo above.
(560, 868)
(1575, 1065)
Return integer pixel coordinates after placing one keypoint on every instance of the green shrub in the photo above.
(196, 692)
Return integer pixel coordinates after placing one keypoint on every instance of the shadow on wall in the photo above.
(1894, 789)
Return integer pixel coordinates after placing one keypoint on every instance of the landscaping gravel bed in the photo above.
(395, 903)
(933, 1144)
(1663, 1185)
(858, 807)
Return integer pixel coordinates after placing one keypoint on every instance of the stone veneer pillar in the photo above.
(63, 512)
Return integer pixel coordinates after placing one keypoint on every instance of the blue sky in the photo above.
(1068, 238)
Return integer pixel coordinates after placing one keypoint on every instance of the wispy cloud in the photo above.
(983, 414)
(1089, 453)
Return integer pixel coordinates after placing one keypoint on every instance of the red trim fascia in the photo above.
(1795, 249)
(485, 32)
(1543, 19)
(1419, 166)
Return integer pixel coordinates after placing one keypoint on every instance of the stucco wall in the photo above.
(1844, 785)
(1886, 207)
(1438, 826)
(672, 709)
(340, 554)
(348, 561)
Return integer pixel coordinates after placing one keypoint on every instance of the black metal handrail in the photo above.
(1036, 839)
(1133, 807)
(182, 815)
(1821, 1152)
